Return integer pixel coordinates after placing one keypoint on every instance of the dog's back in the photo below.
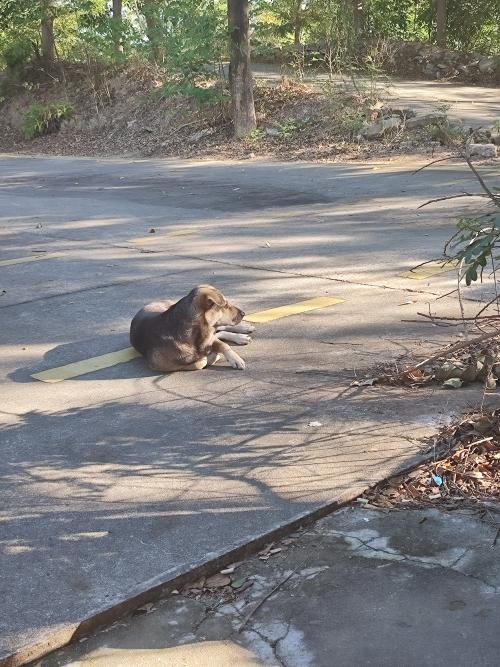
(143, 332)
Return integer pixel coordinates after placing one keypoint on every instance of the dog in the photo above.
(190, 334)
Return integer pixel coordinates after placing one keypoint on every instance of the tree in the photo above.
(154, 31)
(240, 75)
(47, 32)
(118, 25)
(441, 23)
(298, 21)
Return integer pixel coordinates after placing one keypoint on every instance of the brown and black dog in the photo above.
(189, 335)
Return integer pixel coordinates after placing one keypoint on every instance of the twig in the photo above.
(460, 300)
(494, 271)
(463, 194)
(266, 597)
(441, 159)
(454, 348)
(459, 319)
(181, 127)
(478, 442)
(494, 198)
(435, 322)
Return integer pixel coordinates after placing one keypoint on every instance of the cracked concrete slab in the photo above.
(358, 587)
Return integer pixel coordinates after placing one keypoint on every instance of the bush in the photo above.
(17, 54)
(446, 132)
(40, 120)
(202, 94)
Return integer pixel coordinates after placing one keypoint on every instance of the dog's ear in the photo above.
(213, 299)
(210, 297)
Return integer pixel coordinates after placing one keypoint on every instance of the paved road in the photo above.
(475, 105)
(117, 481)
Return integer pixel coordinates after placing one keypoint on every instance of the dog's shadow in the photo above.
(68, 353)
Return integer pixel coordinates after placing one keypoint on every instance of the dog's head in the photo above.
(215, 307)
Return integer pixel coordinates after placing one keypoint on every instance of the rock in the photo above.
(486, 65)
(380, 128)
(481, 136)
(422, 120)
(495, 137)
(131, 123)
(272, 131)
(472, 371)
(481, 150)
(450, 369)
(402, 112)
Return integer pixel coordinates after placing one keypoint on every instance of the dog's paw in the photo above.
(237, 363)
(242, 339)
(246, 328)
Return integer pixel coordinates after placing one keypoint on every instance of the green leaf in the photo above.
(471, 275)
(238, 583)
(453, 383)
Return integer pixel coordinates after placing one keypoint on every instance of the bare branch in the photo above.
(454, 348)
(494, 198)
(463, 194)
(429, 164)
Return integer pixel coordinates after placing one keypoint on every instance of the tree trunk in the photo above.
(297, 22)
(441, 23)
(117, 25)
(357, 17)
(240, 75)
(153, 30)
(47, 32)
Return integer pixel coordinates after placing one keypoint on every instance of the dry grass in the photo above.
(122, 112)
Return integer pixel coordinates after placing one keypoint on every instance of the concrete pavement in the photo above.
(360, 587)
(117, 482)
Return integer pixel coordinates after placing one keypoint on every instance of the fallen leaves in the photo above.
(368, 382)
(228, 583)
(465, 467)
(217, 581)
(458, 365)
(268, 551)
(147, 608)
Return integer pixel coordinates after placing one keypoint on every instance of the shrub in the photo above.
(40, 120)
(202, 94)
(17, 54)
(446, 132)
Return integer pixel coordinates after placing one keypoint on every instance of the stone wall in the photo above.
(431, 62)
(405, 59)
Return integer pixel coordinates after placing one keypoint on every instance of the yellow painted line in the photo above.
(86, 366)
(293, 309)
(33, 258)
(120, 356)
(429, 270)
(156, 237)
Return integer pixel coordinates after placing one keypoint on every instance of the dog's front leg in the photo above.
(231, 337)
(233, 359)
(243, 328)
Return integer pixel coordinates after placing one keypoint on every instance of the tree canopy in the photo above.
(185, 34)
